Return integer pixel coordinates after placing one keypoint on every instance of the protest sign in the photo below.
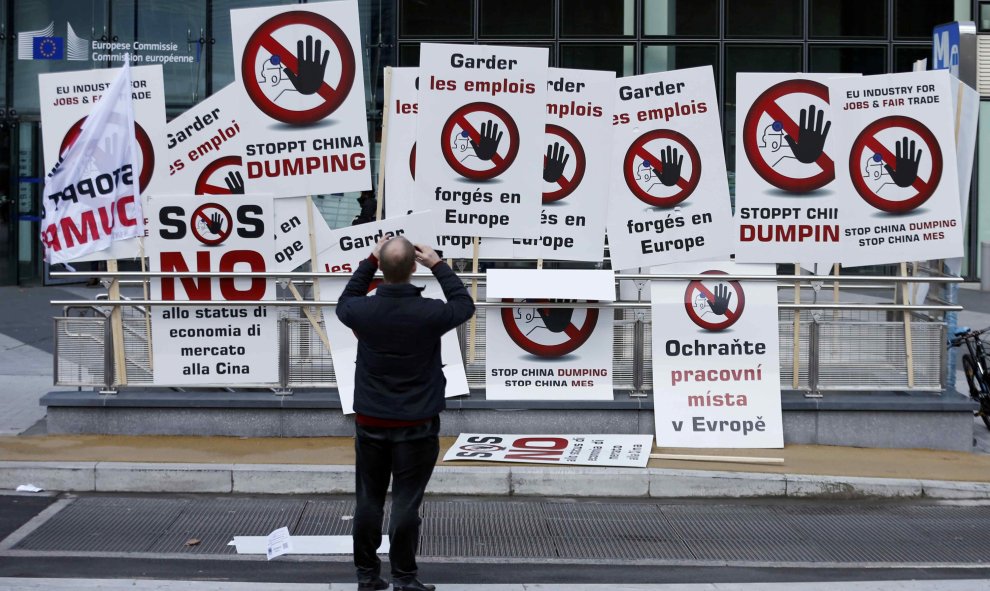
(67, 98)
(669, 199)
(897, 179)
(399, 141)
(575, 169)
(543, 353)
(204, 147)
(716, 366)
(630, 451)
(786, 209)
(479, 138)
(301, 106)
(341, 251)
(212, 345)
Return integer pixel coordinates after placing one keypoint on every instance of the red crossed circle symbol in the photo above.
(577, 335)
(263, 38)
(731, 316)
(565, 185)
(867, 140)
(144, 143)
(458, 121)
(200, 215)
(203, 185)
(638, 150)
(767, 103)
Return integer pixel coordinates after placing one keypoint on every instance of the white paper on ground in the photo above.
(303, 544)
(278, 542)
(29, 488)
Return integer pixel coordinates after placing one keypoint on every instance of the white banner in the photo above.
(212, 345)
(479, 138)
(716, 365)
(204, 149)
(301, 101)
(66, 99)
(630, 451)
(341, 252)
(786, 206)
(897, 183)
(669, 200)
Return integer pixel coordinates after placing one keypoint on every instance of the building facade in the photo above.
(192, 39)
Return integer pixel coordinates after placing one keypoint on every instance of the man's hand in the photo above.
(670, 166)
(811, 136)
(215, 224)
(906, 163)
(426, 256)
(235, 182)
(310, 65)
(553, 164)
(377, 252)
(722, 297)
(490, 137)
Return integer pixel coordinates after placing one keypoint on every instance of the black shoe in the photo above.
(413, 585)
(376, 585)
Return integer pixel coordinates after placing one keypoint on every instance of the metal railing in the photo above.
(842, 346)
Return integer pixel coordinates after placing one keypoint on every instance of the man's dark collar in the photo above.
(398, 290)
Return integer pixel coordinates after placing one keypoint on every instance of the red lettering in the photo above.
(256, 262)
(122, 217)
(196, 288)
(71, 231)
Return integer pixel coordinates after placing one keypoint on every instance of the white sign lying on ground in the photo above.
(631, 451)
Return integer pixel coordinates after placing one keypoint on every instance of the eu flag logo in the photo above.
(49, 48)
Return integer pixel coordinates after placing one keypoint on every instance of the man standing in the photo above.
(398, 395)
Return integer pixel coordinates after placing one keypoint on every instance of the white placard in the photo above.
(575, 171)
(786, 207)
(301, 105)
(898, 181)
(66, 98)
(581, 284)
(716, 365)
(669, 199)
(966, 110)
(212, 345)
(400, 141)
(342, 252)
(204, 147)
(479, 138)
(535, 353)
(630, 451)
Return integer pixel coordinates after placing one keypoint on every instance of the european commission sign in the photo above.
(43, 44)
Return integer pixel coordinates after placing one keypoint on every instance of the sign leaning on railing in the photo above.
(716, 367)
(196, 345)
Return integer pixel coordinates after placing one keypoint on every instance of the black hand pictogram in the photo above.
(553, 166)
(670, 166)
(906, 164)
(215, 224)
(556, 319)
(235, 182)
(722, 297)
(490, 137)
(310, 65)
(812, 132)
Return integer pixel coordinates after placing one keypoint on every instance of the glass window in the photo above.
(984, 24)
(661, 58)
(848, 18)
(600, 18)
(917, 18)
(695, 18)
(222, 62)
(162, 22)
(409, 54)
(763, 18)
(857, 59)
(436, 18)
(72, 24)
(751, 58)
(501, 18)
(906, 55)
(617, 58)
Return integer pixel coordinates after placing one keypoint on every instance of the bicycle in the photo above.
(976, 366)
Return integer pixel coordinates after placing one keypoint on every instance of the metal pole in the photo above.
(814, 357)
(108, 375)
(639, 344)
(283, 358)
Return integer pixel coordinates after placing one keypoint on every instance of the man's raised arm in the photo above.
(459, 307)
(357, 286)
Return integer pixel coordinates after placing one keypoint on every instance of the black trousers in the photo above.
(408, 455)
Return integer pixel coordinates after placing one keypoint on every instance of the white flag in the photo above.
(92, 196)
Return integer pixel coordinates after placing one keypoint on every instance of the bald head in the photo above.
(398, 260)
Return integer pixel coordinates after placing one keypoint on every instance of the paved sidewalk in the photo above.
(145, 585)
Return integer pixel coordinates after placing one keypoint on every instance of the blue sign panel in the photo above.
(945, 48)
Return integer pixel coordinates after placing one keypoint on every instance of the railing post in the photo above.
(814, 356)
(108, 370)
(639, 344)
(283, 358)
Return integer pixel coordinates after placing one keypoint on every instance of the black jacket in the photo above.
(399, 372)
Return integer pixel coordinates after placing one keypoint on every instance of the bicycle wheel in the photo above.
(977, 388)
